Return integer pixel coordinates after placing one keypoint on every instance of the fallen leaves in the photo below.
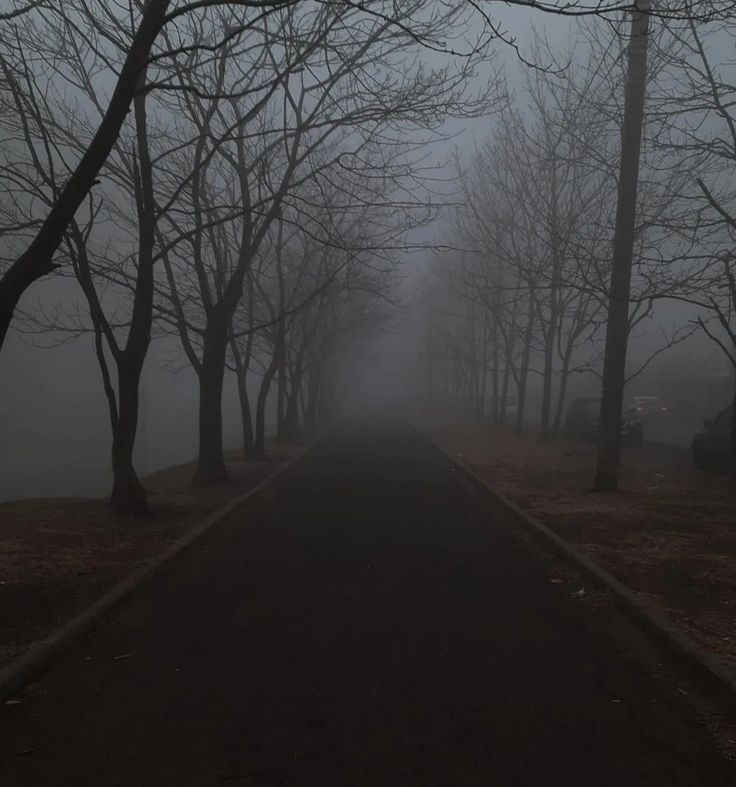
(668, 534)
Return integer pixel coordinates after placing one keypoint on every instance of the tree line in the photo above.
(253, 203)
(524, 293)
(243, 175)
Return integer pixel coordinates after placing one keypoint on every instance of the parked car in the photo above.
(711, 447)
(583, 418)
(648, 406)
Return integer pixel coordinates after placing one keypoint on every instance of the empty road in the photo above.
(365, 621)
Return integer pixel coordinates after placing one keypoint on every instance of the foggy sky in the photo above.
(53, 414)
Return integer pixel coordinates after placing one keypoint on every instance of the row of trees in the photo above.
(252, 205)
(528, 298)
(242, 174)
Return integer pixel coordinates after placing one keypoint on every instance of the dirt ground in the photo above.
(59, 554)
(669, 534)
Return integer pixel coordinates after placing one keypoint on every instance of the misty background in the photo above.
(54, 426)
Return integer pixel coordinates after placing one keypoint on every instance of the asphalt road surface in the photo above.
(366, 622)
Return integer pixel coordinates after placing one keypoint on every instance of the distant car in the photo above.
(648, 406)
(583, 418)
(711, 447)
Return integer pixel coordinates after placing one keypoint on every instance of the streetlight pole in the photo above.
(617, 329)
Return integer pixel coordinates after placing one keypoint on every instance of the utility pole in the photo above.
(617, 329)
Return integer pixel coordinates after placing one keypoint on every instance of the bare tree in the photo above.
(532, 206)
(320, 123)
(536, 210)
(698, 134)
(154, 15)
(414, 20)
(48, 132)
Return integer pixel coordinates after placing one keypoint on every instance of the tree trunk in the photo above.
(494, 371)
(546, 390)
(521, 393)
(259, 448)
(242, 367)
(509, 371)
(291, 430)
(505, 382)
(241, 375)
(617, 328)
(128, 495)
(524, 371)
(211, 464)
(245, 415)
(565, 375)
(281, 401)
(552, 325)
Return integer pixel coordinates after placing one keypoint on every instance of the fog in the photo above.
(367, 389)
(413, 256)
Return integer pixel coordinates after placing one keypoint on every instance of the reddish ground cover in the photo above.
(58, 555)
(670, 534)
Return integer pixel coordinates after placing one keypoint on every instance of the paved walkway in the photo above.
(365, 623)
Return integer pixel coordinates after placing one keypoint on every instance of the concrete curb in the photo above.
(705, 666)
(38, 657)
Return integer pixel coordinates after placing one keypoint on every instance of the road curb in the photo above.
(38, 657)
(707, 667)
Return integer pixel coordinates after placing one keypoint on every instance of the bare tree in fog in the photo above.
(226, 156)
(699, 134)
(50, 132)
(357, 305)
(290, 267)
(356, 284)
(322, 124)
(239, 175)
(306, 292)
(22, 7)
(417, 20)
(299, 269)
(249, 116)
(537, 212)
(153, 16)
(533, 207)
(291, 290)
